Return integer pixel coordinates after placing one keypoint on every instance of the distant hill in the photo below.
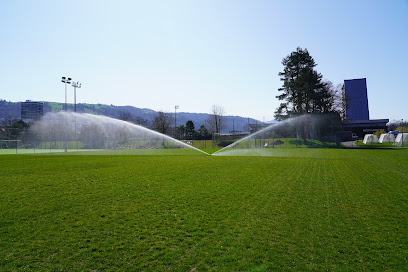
(12, 110)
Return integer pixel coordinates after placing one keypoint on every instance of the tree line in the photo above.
(163, 122)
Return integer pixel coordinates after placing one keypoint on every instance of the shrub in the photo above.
(224, 143)
(379, 132)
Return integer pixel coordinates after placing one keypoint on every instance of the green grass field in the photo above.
(296, 210)
(376, 145)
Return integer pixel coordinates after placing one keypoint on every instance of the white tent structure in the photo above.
(400, 137)
(370, 139)
(386, 138)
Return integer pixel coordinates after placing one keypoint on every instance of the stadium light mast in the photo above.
(402, 128)
(66, 81)
(175, 119)
(75, 85)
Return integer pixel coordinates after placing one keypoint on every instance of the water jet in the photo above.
(88, 132)
(310, 130)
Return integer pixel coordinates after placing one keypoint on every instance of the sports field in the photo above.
(296, 210)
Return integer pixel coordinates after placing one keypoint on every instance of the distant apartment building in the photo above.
(31, 110)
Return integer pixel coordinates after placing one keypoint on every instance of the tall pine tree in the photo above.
(303, 90)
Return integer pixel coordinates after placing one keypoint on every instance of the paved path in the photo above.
(350, 144)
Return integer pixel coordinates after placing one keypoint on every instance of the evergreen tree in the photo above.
(180, 132)
(190, 129)
(203, 133)
(303, 90)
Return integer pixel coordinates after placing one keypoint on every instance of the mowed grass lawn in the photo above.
(306, 209)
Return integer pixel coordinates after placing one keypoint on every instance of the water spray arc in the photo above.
(102, 133)
(309, 130)
(245, 138)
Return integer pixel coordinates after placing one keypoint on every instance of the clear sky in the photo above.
(158, 54)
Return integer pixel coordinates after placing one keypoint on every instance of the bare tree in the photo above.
(126, 116)
(8, 121)
(162, 122)
(216, 120)
(339, 98)
(141, 121)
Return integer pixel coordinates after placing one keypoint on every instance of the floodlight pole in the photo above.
(175, 120)
(75, 85)
(402, 128)
(66, 81)
(65, 104)
(205, 138)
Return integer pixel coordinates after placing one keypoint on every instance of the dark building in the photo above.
(31, 110)
(356, 97)
(357, 113)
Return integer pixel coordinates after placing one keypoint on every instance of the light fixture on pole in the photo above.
(175, 118)
(66, 81)
(402, 128)
(75, 85)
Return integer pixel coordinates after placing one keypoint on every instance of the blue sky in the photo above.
(158, 54)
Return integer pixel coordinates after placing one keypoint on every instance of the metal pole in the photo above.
(75, 130)
(273, 140)
(65, 129)
(74, 98)
(66, 80)
(175, 120)
(75, 85)
(402, 128)
(205, 138)
(65, 96)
